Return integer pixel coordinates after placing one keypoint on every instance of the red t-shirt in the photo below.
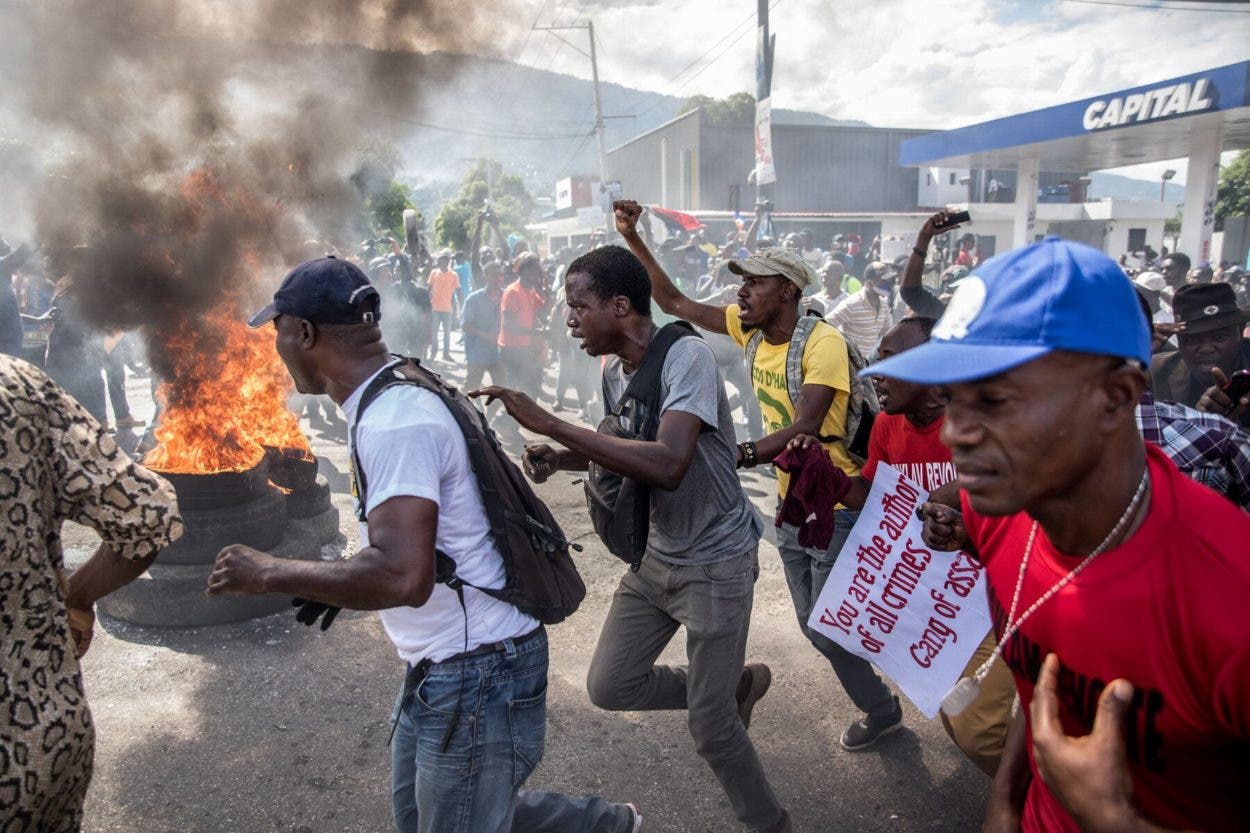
(916, 452)
(520, 305)
(1165, 610)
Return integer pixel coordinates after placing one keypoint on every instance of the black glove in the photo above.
(309, 611)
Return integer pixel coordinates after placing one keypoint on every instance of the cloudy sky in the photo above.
(909, 63)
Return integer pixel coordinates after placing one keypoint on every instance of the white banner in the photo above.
(765, 174)
(915, 613)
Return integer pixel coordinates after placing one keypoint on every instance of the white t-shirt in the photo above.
(410, 446)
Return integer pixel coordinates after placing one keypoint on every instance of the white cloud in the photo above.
(910, 63)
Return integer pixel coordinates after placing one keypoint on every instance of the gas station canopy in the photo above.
(1143, 124)
(1195, 116)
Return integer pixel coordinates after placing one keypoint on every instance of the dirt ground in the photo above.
(270, 726)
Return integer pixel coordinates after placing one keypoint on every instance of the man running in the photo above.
(773, 281)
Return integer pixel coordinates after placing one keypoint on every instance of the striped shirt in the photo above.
(859, 322)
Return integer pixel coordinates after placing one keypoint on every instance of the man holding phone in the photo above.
(1201, 373)
(911, 288)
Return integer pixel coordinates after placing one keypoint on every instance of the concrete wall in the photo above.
(935, 188)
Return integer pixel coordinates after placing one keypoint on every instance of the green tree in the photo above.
(510, 202)
(383, 198)
(1234, 191)
(738, 109)
(386, 209)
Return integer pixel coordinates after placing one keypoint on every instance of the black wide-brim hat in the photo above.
(1203, 307)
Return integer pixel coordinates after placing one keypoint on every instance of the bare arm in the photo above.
(475, 250)
(396, 569)
(911, 288)
(103, 573)
(662, 462)
(1010, 785)
(814, 403)
(751, 241)
(665, 292)
(947, 494)
(499, 235)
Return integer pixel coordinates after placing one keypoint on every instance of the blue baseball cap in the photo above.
(324, 291)
(1023, 304)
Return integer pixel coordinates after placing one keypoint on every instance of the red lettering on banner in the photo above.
(842, 619)
(880, 618)
(870, 642)
(931, 642)
(963, 575)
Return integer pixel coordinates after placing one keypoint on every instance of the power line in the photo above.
(576, 151)
(707, 52)
(727, 46)
(491, 133)
(707, 65)
(1157, 8)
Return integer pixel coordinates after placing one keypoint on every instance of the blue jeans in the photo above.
(467, 737)
(807, 570)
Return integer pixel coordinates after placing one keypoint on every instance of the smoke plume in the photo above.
(192, 147)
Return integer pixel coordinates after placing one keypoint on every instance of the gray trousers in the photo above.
(807, 570)
(713, 603)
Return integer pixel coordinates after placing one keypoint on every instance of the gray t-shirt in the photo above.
(708, 518)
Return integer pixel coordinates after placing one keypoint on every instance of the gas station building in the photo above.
(1198, 116)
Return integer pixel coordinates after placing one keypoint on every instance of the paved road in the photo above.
(267, 726)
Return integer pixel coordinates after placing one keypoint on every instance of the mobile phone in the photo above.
(1238, 385)
(956, 219)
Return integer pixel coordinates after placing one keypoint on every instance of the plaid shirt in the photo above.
(1207, 447)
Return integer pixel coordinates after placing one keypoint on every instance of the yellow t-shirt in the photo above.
(825, 362)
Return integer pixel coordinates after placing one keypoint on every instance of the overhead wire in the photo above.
(1157, 7)
(734, 33)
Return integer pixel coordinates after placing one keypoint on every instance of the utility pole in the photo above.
(765, 166)
(605, 187)
(594, 74)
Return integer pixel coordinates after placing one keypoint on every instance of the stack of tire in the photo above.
(308, 505)
(218, 510)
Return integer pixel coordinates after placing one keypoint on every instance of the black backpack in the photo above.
(542, 580)
(620, 508)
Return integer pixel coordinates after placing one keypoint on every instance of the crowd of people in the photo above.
(1080, 427)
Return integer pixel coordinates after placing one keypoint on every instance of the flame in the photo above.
(224, 398)
(227, 401)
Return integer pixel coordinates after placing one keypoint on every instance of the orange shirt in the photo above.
(520, 306)
(443, 286)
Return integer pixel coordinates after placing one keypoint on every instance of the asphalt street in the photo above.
(270, 726)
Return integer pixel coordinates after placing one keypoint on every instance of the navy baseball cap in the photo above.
(1023, 304)
(324, 291)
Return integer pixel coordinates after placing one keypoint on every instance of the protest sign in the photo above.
(915, 613)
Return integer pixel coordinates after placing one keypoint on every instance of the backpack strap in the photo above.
(794, 356)
(753, 348)
(803, 329)
(644, 385)
(408, 371)
(383, 381)
(645, 388)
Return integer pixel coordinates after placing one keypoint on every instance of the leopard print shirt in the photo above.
(56, 463)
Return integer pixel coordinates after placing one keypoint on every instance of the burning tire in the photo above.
(221, 489)
(259, 524)
(309, 501)
(172, 595)
(293, 470)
